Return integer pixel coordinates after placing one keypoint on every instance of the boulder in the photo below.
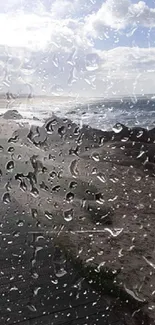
(12, 115)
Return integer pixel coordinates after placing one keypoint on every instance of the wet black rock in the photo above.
(12, 115)
(93, 191)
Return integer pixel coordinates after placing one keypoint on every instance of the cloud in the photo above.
(39, 32)
(118, 15)
(87, 73)
(124, 70)
(49, 50)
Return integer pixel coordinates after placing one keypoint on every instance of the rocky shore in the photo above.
(93, 193)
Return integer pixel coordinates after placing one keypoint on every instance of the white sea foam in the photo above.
(93, 112)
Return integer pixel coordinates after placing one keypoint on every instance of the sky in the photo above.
(88, 48)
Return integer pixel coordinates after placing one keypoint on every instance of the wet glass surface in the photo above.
(77, 162)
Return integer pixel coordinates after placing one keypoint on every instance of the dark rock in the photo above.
(96, 201)
(12, 115)
(35, 118)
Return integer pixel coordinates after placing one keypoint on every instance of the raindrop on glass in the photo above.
(6, 198)
(34, 191)
(10, 166)
(101, 177)
(73, 168)
(20, 223)
(23, 186)
(52, 174)
(11, 149)
(61, 273)
(117, 128)
(34, 213)
(95, 156)
(32, 308)
(73, 185)
(69, 197)
(36, 290)
(48, 215)
(61, 130)
(68, 215)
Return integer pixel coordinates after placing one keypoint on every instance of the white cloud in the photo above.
(94, 72)
(119, 15)
(39, 32)
(51, 50)
(62, 9)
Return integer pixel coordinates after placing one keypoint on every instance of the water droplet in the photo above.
(19, 177)
(14, 138)
(23, 186)
(68, 215)
(113, 199)
(149, 262)
(43, 186)
(141, 154)
(100, 266)
(1, 149)
(32, 178)
(32, 308)
(117, 128)
(61, 273)
(69, 197)
(95, 156)
(8, 186)
(77, 131)
(60, 174)
(11, 149)
(91, 65)
(16, 233)
(6, 198)
(35, 275)
(10, 166)
(48, 215)
(61, 131)
(131, 32)
(137, 178)
(94, 171)
(73, 185)
(49, 126)
(53, 174)
(83, 203)
(44, 170)
(34, 213)
(56, 188)
(140, 206)
(115, 232)
(34, 191)
(140, 133)
(36, 290)
(73, 168)
(14, 288)
(20, 223)
(56, 61)
(101, 177)
(51, 157)
(99, 198)
(133, 294)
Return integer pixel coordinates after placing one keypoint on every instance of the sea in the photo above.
(99, 113)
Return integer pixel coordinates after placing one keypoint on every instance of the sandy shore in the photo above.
(93, 193)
